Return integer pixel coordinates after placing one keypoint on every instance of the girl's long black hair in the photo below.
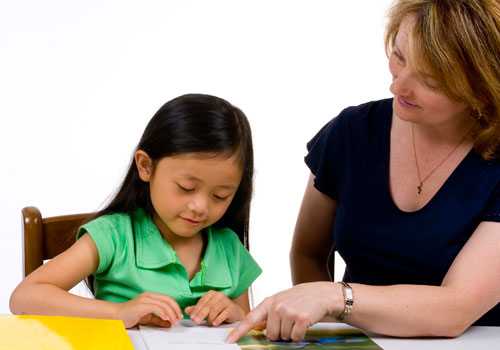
(187, 124)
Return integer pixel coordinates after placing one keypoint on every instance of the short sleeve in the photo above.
(324, 158)
(492, 210)
(243, 263)
(105, 237)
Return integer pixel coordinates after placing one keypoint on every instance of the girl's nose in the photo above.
(198, 205)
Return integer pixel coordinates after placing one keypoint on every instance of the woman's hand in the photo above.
(288, 314)
(216, 308)
(149, 309)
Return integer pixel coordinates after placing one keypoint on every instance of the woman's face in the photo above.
(417, 98)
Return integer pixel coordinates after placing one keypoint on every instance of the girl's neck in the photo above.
(175, 241)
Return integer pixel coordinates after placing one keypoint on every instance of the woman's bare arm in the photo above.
(470, 288)
(312, 239)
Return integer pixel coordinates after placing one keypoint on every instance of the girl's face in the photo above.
(417, 98)
(189, 191)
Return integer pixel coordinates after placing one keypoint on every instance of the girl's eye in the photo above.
(185, 189)
(220, 198)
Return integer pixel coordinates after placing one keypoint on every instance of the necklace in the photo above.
(420, 179)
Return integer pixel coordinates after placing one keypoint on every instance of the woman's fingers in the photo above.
(255, 317)
(286, 328)
(299, 329)
(273, 328)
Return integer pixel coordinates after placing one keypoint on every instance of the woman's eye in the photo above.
(186, 189)
(431, 84)
(398, 56)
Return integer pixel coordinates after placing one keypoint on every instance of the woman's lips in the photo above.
(405, 103)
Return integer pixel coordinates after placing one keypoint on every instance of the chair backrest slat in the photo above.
(44, 238)
(59, 233)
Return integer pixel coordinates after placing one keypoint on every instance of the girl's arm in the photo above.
(243, 302)
(45, 291)
(312, 239)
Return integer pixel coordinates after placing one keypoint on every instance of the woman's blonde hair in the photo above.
(457, 43)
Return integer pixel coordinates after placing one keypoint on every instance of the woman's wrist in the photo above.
(334, 298)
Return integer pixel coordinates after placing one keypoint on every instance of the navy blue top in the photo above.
(381, 244)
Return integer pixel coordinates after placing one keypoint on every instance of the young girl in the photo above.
(173, 239)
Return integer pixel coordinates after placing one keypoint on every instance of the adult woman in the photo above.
(407, 190)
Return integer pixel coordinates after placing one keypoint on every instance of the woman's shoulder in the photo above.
(367, 111)
(355, 122)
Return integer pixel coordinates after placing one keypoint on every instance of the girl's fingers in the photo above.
(158, 322)
(167, 310)
(223, 316)
(200, 309)
(147, 310)
(215, 308)
(166, 299)
(201, 315)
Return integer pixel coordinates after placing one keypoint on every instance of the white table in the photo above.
(473, 338)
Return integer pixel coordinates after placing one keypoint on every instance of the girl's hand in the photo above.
(148, 308)
(216, 308)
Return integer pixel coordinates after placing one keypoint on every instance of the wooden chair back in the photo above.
(44, 238)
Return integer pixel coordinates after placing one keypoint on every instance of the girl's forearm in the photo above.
(47, 299)
(409, 310)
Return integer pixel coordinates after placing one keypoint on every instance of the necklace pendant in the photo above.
(419, 188)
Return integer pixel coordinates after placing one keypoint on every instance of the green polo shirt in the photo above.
(135, 258)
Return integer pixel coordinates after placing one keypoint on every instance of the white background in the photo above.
(79, 80)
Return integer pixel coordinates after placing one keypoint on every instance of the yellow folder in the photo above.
(62, 333)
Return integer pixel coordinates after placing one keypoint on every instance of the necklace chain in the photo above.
(420, 179)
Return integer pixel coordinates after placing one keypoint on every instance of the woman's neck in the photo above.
(446, 133)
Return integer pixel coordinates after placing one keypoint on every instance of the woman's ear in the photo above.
(144, 165)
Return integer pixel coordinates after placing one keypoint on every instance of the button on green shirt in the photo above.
(135, 258)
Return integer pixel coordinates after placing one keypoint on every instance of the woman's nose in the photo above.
(401, 83)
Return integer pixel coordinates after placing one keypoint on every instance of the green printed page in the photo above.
(316, 338)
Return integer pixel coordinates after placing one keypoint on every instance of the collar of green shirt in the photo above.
(153, 252)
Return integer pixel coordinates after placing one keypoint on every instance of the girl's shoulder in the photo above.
(111, 225)
(223, 234)
(226, 239)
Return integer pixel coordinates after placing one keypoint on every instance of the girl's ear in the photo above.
(144, 165)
